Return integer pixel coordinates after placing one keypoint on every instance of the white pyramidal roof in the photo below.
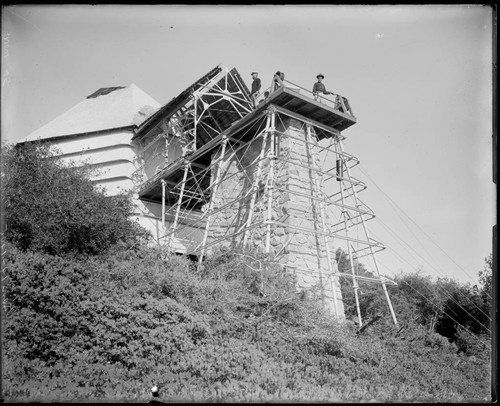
(105, 109)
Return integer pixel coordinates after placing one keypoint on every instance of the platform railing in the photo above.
(336, 101)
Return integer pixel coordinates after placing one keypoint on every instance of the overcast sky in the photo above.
(419, 80)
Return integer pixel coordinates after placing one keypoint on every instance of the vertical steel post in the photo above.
(365, 228)
(212, 199)
(323, 222)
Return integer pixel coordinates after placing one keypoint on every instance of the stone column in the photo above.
(297, 238)
(304, 238)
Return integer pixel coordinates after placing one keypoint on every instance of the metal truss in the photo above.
(192, 120)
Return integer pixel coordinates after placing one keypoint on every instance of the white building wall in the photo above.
(115, 158)
(94, 141)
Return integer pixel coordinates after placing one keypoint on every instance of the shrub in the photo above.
(55, 208)
(121, 322)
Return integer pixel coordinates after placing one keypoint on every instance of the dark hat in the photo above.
(320, 75)
(256, 73)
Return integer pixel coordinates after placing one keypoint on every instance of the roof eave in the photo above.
(132, 127)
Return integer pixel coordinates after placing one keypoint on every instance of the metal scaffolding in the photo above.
(273, 179)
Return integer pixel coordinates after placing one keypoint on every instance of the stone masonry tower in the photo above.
(269, 198)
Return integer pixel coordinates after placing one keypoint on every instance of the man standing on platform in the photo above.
(319, 87)
(256, 84)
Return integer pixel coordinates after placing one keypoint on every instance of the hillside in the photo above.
(93, 312)
(109, 328)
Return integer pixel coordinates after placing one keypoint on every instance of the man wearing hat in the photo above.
(255, 88)
(319, 87)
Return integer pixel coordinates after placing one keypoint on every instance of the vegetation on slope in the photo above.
(54, 208)
(106, 325)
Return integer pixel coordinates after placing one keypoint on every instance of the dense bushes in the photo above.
(120, 323)
(92, 314)
(55, 208)
(443, 305)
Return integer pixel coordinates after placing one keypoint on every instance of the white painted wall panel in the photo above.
(68, 145)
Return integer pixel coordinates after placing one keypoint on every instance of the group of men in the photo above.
(278, 80)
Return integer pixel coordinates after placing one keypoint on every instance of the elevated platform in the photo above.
(294, 101)
(326, 120)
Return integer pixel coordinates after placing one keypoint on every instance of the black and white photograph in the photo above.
(248, 203)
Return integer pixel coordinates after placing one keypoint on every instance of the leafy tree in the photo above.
(486, 281)
(459, 312)
(425, 299)
(55, 208)
(466, 307)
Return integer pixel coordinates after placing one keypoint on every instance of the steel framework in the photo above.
(271, 179)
